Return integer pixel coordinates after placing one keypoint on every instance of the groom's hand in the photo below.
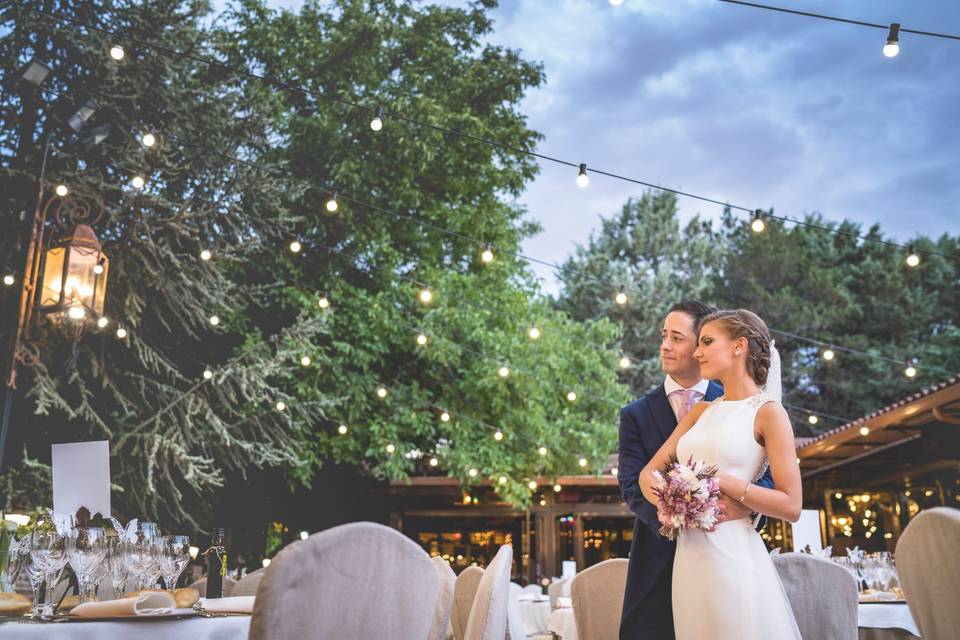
(730, 509)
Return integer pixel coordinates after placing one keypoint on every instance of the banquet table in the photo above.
(226, 628)
(534, 615)
(875, 621)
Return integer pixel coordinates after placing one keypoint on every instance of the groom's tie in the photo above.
(688, 398)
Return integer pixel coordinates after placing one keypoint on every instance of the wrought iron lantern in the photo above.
(74, 281)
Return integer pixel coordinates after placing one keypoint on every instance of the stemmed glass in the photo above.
(142, 556)
(86, 552)
(174, 556)
(20, 561)
(48, 549)
(117, 567)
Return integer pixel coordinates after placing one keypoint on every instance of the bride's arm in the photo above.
(667, 451)
(785, 499)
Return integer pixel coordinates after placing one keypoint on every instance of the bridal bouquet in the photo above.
(687, 497)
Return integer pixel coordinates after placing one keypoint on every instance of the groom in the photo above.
(645, 424)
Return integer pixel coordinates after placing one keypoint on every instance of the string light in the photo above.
(434, 462)
(381, 392)
(582, 462)
(892, 48)
(148, 140)
(532, 485)
(421, 340)
(332, 205)
(913, 259)
(910, 371)
(828, 354)
(502, 480)
(614, 472)
(621, 297)
(205, 255)
(323, 302)
(207, 374)
(624, 362)
(426, 296)
(76, 312)
(503, 372)
(557, 488)
(102, 322)
(487, 254)
(445, 417)
(758, 225)
(8, 280)
(98, 268)
(305, 361)
(534, 332)
(117, 52)
(295, 246)
(812, 419)
(582, 178)
(377, 123)
(864, 431)
(342, 429)
(62, 190)
(498, 435)
(281, 405)
(542, 451)
(391, 448)
(571, 396)
(472, 473)
(137, 182)
(121, 332)
(214, 320)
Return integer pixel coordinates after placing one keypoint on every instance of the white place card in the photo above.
(81, 477)
(806, 531)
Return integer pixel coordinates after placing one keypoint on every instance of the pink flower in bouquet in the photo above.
(688, 497)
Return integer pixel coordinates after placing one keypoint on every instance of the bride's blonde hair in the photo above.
(740, 323)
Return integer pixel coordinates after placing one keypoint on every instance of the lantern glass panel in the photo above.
(52, 277)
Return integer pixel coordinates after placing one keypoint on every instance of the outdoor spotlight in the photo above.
(79, 119)
(582, 178)
(34, 73)
(892, 48)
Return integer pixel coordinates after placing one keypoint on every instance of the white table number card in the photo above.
(81, 477)
(806, 531)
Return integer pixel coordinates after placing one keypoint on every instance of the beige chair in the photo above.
(928, 564)
(464, 591)
(822, 594)
(488, 615)
(358, 580)
(446, 578)
(597, 595)
(247, 585)
(558, 589)
(201, 586)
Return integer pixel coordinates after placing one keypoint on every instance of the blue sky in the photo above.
(752, 107)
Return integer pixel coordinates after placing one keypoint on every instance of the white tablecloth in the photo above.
(534, 615)
(229, 628)
(871, 616)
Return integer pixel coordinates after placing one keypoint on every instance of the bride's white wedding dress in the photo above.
(724, 582)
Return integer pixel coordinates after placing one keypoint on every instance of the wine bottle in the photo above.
(216, 565)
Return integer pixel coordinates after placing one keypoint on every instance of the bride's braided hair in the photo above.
(740, 323)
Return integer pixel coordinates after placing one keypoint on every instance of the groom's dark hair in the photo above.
(695, 309)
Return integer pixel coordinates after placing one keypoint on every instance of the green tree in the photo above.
(645, 251)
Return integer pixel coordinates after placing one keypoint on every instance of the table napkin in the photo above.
(230, 604)
(153, 603)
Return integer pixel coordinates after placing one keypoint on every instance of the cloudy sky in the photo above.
(741, 105)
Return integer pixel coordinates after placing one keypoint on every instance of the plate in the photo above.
(176, 614)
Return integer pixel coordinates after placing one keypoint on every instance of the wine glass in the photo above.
(117, 566)
(174, 556)
(48, 549)
(86, 552)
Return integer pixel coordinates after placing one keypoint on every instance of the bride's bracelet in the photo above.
(746, 490)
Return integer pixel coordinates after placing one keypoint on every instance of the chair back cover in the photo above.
(488, 615)
(822, 594)
(247, 585)
(597, 595)
(446, 578)
(358, 580)
(928, 564)
(464, 591)
(558, 589)
(516, 626)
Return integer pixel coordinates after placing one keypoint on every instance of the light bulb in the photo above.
(332, 203)
(614, 471)
(892, 47)
(542, 451)
(281, 405)
(207, 374)
(910, 371)
(572, 396)
(205, 254)
(582, 462)
(498, 436)
(812, 419)
(121, 333)
(391, 448)
(864, 431)
(487, 255)
(62, 190)
(304, 535)
(148, 140)
(76, 313)
(305, 361)
(503, 372)
(557, 488)
(502, 480)
(532, 485)
(543, 502)
(445, 417)
(214, 320)
(426, 296)
(582, 178)
(137, 182)
(323, 302)
(758, 225)
(828, 354)
(8, 280)
(472, 473)
(381, 392)
(624, 362)
(342, 429)
(295, 246)
(98, 269)
(534, 332)
(434, 462)
(421, 339)
(621, 296)
(912, 258)
(117, 52)
(376, 124)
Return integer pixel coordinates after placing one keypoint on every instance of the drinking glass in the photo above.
(116, 563)
(144, 555)
(86, 552)
(48, 548)
(174, 556)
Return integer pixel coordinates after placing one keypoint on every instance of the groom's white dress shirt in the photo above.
(676, 399)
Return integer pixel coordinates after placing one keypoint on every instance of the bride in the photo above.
(724, 582)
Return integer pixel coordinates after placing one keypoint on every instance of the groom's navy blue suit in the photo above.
(645, 424)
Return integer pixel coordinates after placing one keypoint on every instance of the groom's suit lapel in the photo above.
(662, 412)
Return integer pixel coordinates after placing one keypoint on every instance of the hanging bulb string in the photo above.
(821, 16)
(453, 132)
